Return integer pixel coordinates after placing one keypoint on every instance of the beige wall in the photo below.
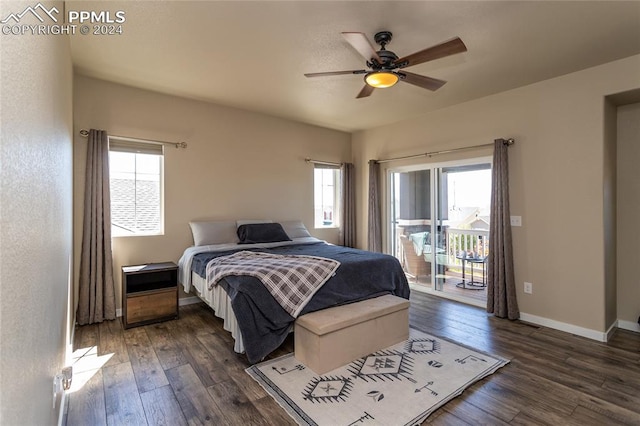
(556, 179)
(628, 213)
(36, 208)
(238, 164)
(609, 212)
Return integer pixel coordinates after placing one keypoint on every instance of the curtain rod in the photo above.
(507, 142)
(323, 163)
(85, 133)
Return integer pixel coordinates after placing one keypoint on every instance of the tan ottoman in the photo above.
(328, 339)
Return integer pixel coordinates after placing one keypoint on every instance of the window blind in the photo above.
(326, 166)
(123, 145)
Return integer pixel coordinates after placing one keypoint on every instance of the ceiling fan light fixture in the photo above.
(381, 79)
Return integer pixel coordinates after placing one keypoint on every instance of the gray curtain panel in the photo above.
(375, 216)
(348, 229)
(501, 287)
(97, 300)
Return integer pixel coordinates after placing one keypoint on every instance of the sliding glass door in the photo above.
(439, 225)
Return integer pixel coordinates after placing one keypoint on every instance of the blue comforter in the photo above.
(265, 324)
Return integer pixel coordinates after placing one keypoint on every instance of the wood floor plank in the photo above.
(235, 406)
(167, 349)
(87, 405)
(501, 409)
(629, 387)
(197, 405)
(122, 399)
(472, 414)
(208, 368)
(212, 323)
(111, 342)
(607, 367)
(586, 416)
(560, 372)
(541, 389)
(537, 418)
(161, 407)
(86, 336)
(234, 365)
(146, 366)
(272, 413)
(577, 345)
(611, 410)
(626, 340)
(448, 419)
(250, 387)
(521, 396)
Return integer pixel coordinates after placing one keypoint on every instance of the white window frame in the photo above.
(337, 184)
(124, 145)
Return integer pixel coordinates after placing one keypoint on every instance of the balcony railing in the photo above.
(473, 242)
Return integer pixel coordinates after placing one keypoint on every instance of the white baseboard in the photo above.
(581, 331)
(563, 326)
(181, 302)
(629, 325)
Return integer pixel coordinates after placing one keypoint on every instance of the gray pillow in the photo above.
(213, 232)
(295, 229)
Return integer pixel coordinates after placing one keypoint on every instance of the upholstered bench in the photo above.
(328, 339)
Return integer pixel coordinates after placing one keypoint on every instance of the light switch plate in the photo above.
(516, 220)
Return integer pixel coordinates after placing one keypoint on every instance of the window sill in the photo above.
(137, 235)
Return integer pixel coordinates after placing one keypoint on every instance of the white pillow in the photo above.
(295, 229)
(216, 232)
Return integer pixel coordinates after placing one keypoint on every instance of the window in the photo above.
(136, 181)
(327, 196)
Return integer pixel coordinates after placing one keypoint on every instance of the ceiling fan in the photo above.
(386, 69)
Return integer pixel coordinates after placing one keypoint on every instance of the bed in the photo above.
(257, 322)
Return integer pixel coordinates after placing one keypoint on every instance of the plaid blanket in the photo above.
(292, 280)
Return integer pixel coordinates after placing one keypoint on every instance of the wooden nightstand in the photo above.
(149, 293)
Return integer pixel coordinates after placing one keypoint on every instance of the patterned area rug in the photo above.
(399, 385)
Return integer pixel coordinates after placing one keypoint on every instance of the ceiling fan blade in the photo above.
(324, 74)
(361, 43)
(438, 51)
(366, 91)
(422, 81)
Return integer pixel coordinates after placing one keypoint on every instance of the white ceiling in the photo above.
(252, 55)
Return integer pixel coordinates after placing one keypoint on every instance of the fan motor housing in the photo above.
(387, 57)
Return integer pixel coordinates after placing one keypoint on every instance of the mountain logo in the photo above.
(38, 11)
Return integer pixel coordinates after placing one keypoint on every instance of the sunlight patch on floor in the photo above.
(86, 363)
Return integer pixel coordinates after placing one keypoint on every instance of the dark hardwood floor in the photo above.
(185, 372)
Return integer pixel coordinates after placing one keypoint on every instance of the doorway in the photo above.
(439, 227)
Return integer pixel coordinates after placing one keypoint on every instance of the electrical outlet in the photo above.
(528, 288)
(516, 220)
